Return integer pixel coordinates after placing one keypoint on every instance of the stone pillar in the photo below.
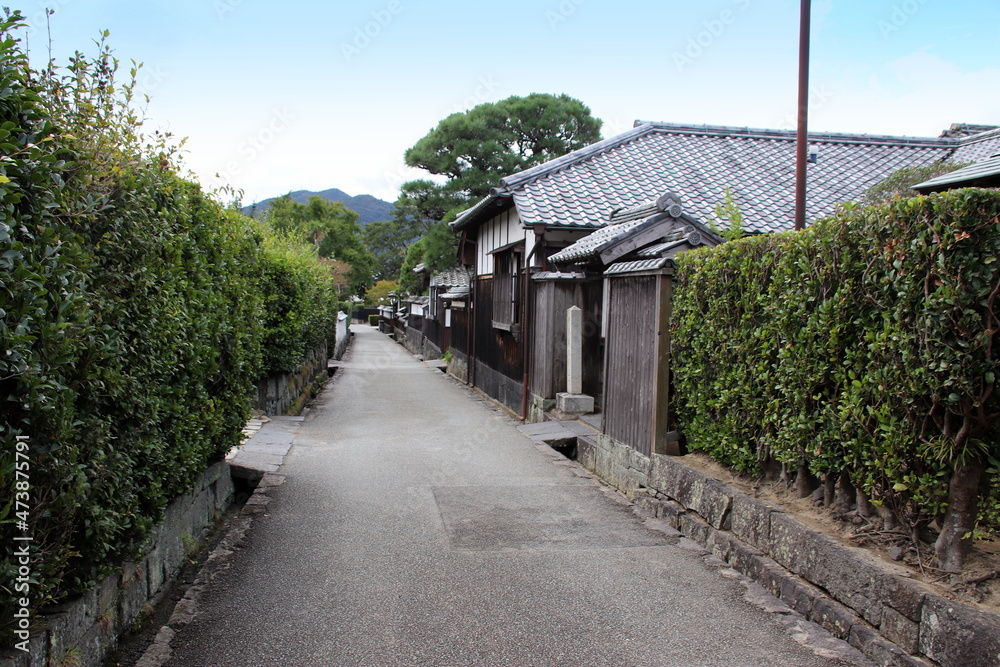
(574, 401)
(574, 350)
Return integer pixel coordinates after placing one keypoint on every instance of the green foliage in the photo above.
(379, 294)
(727, 218)
(373, 320)
(387, 240)
(131, 315)
(476, 148)
(898, 184)
(864, 344)
(422, 203)
(334, 231)
(300, 309)
(440, 248)
(410, 282)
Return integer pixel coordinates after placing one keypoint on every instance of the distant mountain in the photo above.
(368, 208)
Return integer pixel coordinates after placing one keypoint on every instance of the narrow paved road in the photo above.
(416, 526)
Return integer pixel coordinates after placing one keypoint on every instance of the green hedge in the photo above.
(863, 345)
(301, 304)
(132, 322)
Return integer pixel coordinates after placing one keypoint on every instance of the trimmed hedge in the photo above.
(132, 323)
(863, 345)
(301, 303)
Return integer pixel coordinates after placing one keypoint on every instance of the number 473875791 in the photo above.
(22, 484)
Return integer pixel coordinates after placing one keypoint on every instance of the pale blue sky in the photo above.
(312, 95)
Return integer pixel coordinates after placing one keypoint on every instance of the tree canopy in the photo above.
(334, 231)
(476, 148)
(420, 205)
(378, 295)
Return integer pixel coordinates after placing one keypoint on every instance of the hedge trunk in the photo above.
(955, 540)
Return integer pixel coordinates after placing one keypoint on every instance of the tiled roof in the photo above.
(663, 249)
(621, 222)
(588, 245)
(639, 265)
(456, 277)
(978, 147)
(984, 173)
(457, 293)
(699, 162)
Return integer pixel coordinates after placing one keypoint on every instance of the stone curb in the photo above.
(893, 620)
(160, 650)
(85, 630)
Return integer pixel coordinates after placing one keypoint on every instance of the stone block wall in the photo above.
(278, 393)
(459, 366)
(891, 618)
(416, 342)
(84, 632)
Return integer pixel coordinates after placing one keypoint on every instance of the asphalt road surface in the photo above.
(416, 526)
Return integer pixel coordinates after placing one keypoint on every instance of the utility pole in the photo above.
(802, 136)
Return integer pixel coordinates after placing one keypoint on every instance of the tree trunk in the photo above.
(954, 542)
(845, 494)
(889, 520)
(805, 484)
(829, 489)
(865, 507)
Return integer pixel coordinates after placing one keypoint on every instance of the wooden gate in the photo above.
(636, 370)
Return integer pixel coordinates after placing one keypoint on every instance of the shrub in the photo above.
(300, 305)
(373, 320)
(131, 315)
(864, 345)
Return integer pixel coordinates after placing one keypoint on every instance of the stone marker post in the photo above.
(574, 350)
(574, 401)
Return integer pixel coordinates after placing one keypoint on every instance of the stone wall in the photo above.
(891, 618)
(277, 394)
(84, 632)
(416, 342)
(458, 368)
(499, 387)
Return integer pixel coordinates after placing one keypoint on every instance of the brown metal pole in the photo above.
(802, 136)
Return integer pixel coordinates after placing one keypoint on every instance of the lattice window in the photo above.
(506, 292)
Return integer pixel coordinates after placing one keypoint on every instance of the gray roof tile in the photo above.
(699, 162)
(457, 293)
(457, 277)
(638, 265)
(985, 172)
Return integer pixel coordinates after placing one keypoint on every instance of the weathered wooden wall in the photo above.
(631, 360)
(495, 348)
(552, 299)
(460, 330)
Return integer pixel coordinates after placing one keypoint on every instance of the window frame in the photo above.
(507, 263)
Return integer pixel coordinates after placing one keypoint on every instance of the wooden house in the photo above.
(429, 324)
(508, 340)
(634, 253)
